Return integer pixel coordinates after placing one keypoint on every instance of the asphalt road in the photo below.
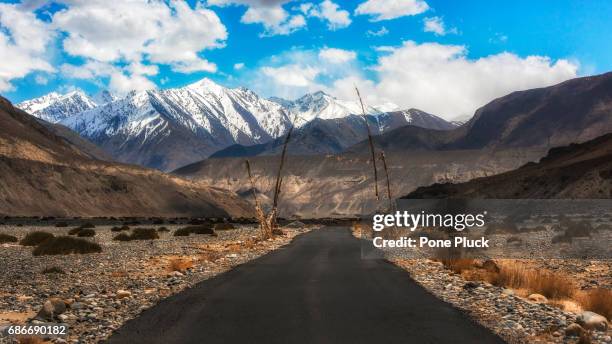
(316, 290)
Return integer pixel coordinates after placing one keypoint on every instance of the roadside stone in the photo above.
(592, 321)
(123, 294)
(52, 307)
(538, 298)
(574, 330)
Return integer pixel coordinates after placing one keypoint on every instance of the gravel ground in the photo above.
(514, 318)
(106, 289)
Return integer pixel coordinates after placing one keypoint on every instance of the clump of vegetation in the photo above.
(35, 238)
(138, 234)
(4, 238)
(163, 229)
(66, 245)
(224, 226)
(598, 301)
(120, 229)
(122, 237)
(185, 231)
(550, 284)
(204, 229)
(53, 270)
(61, 224)
(144, 234)
(74, 231)
(86, 232)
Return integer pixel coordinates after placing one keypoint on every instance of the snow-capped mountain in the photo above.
(55, 107)
(167, 129)
(324, 106)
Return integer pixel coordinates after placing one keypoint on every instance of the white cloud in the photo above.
(391, 9)
(23, 45)
(437, 26)
(292, 75)
(378, 33)
(296, 72)
(121, 80)
(441, 79)
(142, 34)
(334, 55)
(269, 13)
(329, 11)
(238, 66)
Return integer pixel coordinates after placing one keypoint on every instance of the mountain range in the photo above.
(44, 174)
(166, 129)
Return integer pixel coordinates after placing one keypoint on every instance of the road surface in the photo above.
(315, 290)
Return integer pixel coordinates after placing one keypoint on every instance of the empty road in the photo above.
(315, 290)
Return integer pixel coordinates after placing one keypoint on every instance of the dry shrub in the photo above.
(86, 232)
(122, 237)
(458, 265)
(180, 264)
(224, 226)
(598, 301)
(4, 238)
(66, 245)
(30, 340)
(185, 231)
(144, 234)
(550, 284)
(35, 238)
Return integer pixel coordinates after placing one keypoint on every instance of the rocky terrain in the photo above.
(575, 171)
(514, 318)
(101, 291)
(343, 185)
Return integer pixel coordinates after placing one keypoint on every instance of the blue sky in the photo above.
(445, 57)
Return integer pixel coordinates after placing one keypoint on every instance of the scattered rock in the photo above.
(123, 294)
(574, 330)
(470, 285)
(508, 292)
(592, 321)
(537, 298)
(52, 307)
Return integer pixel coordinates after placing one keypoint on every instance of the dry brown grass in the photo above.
(458, 265)
(550, 284)
(31, 340)
(180, 264)
(598, 301)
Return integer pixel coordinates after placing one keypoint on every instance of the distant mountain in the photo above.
(575, 171)
(320, 105)
(43, 174)
(576, 110)
(334, 135)
(166, 129)
(55, 107)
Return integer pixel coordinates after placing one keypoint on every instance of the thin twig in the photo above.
(365, 118)
(384, 161)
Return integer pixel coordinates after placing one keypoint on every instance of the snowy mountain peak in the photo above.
(206, 86)
(55, 107)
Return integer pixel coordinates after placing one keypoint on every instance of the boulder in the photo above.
(51, 308)
(574, 330)
(592, 321)
(123, 294)
(538, 298)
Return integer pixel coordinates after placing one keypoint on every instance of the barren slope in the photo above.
(43, 174)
